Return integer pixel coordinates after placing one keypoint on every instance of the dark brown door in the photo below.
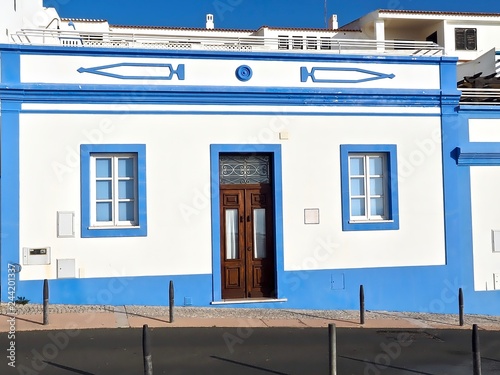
(247, 250)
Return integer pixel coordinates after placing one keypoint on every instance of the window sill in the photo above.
(136, 231)
(369, 221)
(365, 225)
(113, 227)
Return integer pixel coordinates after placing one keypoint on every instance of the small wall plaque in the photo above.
(311, 216)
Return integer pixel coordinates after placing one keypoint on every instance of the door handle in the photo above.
(241, 219)
(248, 218)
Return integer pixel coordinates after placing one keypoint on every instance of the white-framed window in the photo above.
(367, 186)
(113, 190)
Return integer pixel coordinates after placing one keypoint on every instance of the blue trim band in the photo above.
(85, 152)
(392, 204)
(226, 55)
(275, 151)
(10, 193)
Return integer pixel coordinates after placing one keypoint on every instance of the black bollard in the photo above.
(45, 302)
(146, 351)
(171, 301)
(361, 305)
(476, 352)
(460, 307)
(332, 340)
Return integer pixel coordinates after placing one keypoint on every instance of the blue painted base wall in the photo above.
(425, 289)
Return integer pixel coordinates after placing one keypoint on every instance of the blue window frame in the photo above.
(113, 190)
(369, 187)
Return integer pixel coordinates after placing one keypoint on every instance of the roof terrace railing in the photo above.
(293, 43)
(482, 96)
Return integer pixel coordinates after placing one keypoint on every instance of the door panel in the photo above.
(247, 242)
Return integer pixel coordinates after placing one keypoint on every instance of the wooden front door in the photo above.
(247, 241)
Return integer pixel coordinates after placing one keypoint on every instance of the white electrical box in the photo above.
(65, 224)
(496, 281)
(66, 268)
(495, 236)
(36, 256)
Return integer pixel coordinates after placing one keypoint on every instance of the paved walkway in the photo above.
(30, 317)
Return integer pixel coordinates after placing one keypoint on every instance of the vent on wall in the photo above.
(495, 239)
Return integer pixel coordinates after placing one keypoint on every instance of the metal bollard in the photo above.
(146, 351)
(460, 307)
(332, 340)
(361, 305)
(171, 301)
(45, 302)
(476, 352)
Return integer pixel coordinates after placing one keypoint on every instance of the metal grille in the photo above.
(243, 169)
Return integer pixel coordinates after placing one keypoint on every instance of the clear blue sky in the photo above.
(249, 14)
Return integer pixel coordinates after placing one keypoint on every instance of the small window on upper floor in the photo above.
(297, 42)
(311, 42)
(465, 39)
(283, 42)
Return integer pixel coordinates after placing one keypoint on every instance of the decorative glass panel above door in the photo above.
(243, 169)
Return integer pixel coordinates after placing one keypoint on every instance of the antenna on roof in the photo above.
(326, 14)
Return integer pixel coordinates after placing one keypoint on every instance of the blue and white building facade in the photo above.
(252, 174)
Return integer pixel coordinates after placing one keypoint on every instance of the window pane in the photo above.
(259, 232)
(103, 211)
(232, 251)
(103, 190)
(126, 189)
(358, 207)
(125, 167)
(356, 167)
(103, 167)
(377, 206)
(376, 165)
(126, 211)
(358, 186)
(376, 186)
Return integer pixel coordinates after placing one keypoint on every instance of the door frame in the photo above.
(274, 150)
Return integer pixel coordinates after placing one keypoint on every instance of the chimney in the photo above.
(210, 21)
(333, 23)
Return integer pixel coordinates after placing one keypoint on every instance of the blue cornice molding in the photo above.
(478, 154)
(146, 94)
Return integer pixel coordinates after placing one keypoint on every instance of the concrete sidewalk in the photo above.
(62, 317)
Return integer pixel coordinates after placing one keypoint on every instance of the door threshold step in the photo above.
(248, 301)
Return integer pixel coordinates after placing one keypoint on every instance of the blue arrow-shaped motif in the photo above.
(100, 70)
(304, 75)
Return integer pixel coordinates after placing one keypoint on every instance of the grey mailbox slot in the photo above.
(36, 256)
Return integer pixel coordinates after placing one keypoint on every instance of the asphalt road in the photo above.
(248, 351)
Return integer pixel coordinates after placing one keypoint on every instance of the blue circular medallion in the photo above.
(244, 73)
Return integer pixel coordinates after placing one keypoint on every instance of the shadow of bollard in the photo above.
(146, 351)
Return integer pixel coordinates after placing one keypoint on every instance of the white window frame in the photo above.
(367, 196)
(115, 200)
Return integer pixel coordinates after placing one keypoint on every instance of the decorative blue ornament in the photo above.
(244, 73)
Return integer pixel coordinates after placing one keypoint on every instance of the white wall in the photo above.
(485, 181)
(178, 176)
(312, 165)
(487, 38)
